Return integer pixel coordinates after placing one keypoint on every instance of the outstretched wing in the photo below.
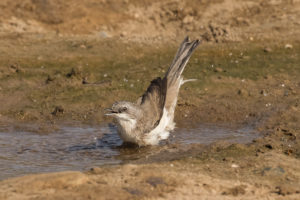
(162, 93)
(152, 102)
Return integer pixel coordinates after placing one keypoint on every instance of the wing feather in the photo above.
(162, 93)
(153, 101)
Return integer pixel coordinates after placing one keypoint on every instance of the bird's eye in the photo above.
(123, 109)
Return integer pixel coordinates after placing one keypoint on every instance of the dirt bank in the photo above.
(64, 62)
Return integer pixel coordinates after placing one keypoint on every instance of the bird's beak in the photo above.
(109, 112)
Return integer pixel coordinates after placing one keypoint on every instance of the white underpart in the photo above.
(126, 125)
(160, 132)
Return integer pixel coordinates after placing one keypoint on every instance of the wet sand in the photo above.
(57, 74)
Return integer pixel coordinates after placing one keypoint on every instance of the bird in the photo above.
(151, 118)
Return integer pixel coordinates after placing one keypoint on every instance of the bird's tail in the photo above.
(182, 56)
(173, 75)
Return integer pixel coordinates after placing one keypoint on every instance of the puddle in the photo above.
(79, 148)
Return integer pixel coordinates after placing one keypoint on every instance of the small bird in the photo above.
(151, 118)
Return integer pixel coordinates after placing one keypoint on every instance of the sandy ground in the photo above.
(67, 61)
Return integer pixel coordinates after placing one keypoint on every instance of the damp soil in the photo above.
(240, 86)
(238, 124)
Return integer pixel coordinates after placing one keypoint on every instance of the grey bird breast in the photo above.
(151, 118)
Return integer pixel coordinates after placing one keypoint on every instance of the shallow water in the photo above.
(79, 148)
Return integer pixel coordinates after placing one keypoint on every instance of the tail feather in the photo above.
(173, 75)
(187, 80)
(182, 57)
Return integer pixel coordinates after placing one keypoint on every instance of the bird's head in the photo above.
(123, 111)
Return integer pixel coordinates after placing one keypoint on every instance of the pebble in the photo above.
(242, 92)
(103, 34)
(288, 46)
(234, 166)
(263, 92)
(123, 34)
(267, 49)
(188, 19)
(83, 46)
(218, 69)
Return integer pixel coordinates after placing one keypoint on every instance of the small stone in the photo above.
(269, 146)
(84, 80)
(123, 34)
(234, 166)
(188, 19)
(288, 46)
(267, 49)
(155, 181)
(242, 92)
(96, 170)
(218, 69)
(263, 92)
(75, 72)
(83, 46)
(16, 68)
(58, 111)
(294, 108)
(49, 79)
(286, 93)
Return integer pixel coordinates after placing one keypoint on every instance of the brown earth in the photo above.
(65, 61)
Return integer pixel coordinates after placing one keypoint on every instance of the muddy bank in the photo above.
(238, 85)
(63, 64)
(244, 176)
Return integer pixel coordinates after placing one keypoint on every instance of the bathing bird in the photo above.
(151, 118)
